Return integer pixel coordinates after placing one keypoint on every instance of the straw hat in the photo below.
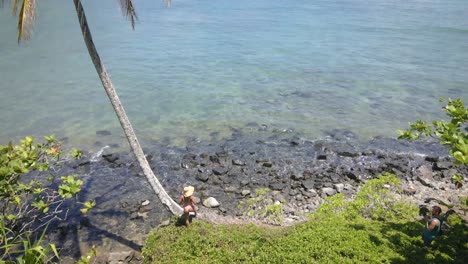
(188, 191)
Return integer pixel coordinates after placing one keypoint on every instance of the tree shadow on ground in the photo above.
(407, 242)
(117, 238)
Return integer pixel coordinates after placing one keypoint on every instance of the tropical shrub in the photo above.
(29, 204)
(378, 199)
(450, 133)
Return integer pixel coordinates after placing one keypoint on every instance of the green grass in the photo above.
(358, 231)
(332, 240)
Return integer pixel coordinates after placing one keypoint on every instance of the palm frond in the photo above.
(128, 11)
(15, 7)
(15, 4)
(27, 16)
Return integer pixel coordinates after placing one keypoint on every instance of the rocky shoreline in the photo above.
(299, 172)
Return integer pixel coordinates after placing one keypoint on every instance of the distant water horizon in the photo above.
(204, 68)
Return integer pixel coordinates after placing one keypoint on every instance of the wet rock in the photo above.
(339, 187)
(277, 186)
(432, 158)
(299, 197)
(348, 154)
(425, 175)
(230, 189)
(308, 184)
(279, 197)
(133, 216)
(297, 176)
(449, 173)
(110, 157)
(185, 165)
(295, 185)
(328, 191)
(245, 192)
(334, 177)
(102, 133)
(220, 170)
(409, 190)
(442, 165)
(309, 193)
(238, 162)
(80, 163)
(215, 159)
(120, 257)
(295, 142)
(352, 175)
(203, 177)
(244, 182)
(322, 156)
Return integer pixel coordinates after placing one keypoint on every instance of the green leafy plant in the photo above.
(450, 132)
(464, 200)
(87, 206)
(88, 257)
(457, 180)
(28, 205)
(34, 252)
(454, 220)
(70, 186)
(261, 207)
(377, 200)
(75, 153)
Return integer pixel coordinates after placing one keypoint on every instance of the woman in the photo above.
(432, 226)
(188, 203)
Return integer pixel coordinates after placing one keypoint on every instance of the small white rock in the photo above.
(211, 202)
(245, 192)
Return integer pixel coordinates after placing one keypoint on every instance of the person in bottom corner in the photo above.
(433, 225)
(188, 203)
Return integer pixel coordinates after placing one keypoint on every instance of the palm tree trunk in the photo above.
(122, 116)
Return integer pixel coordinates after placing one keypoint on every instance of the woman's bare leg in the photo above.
(187, 215)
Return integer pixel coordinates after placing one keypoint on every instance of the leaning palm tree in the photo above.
(26, 19)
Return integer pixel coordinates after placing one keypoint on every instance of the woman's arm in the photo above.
(431, 224)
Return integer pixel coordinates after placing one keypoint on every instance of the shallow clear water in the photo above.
(208, 66)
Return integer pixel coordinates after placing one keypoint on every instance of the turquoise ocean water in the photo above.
(204, 67)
